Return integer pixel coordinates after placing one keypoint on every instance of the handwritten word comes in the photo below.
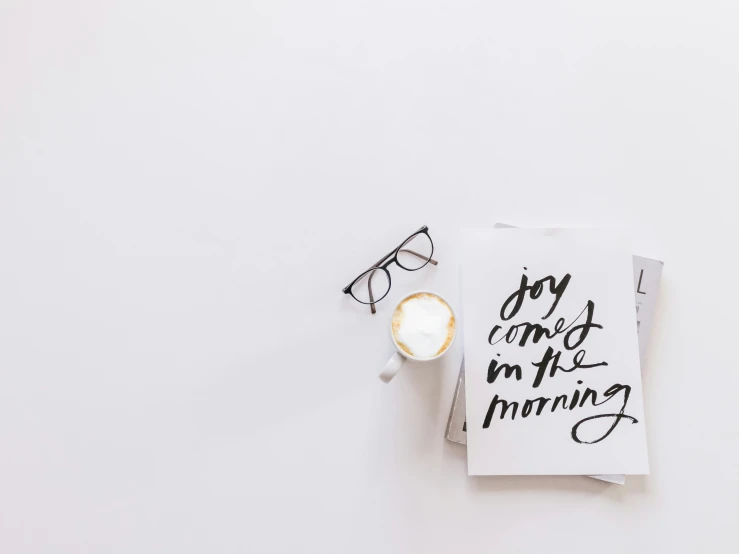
(536, 332)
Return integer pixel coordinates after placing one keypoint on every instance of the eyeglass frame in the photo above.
(383, 266)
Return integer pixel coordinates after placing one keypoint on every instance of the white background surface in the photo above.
(186, 187)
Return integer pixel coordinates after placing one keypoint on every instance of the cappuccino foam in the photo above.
(423, 325)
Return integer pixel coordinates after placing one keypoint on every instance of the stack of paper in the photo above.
(552, 359)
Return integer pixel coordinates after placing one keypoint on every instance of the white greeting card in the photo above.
(552, 361)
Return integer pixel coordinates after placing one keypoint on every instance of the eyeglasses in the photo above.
(374, 284)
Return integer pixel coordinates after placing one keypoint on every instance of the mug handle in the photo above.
(391, 368)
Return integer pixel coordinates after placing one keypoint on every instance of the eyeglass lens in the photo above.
(372, 286)
(415, 252)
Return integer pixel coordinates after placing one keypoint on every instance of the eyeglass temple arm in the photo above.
(429, 260)
(369, 282)
(371, 296)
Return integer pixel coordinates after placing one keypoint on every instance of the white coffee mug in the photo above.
(400, 356)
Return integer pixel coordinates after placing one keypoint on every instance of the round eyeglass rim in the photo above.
(430, 256)
(389, 284)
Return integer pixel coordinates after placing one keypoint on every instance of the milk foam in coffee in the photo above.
(423, 325)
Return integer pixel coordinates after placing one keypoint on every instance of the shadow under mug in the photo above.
(399, 358)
